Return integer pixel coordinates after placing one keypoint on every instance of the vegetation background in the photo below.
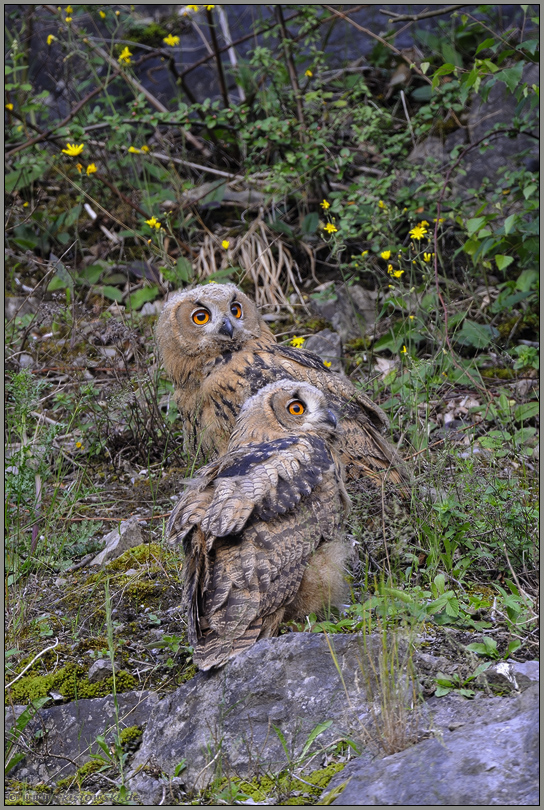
(314, 155)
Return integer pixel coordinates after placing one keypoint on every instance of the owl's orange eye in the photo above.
(296, 407)
(201, 316)
(236, 310)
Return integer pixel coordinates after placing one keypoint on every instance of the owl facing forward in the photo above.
(262, 525)
(218, 351)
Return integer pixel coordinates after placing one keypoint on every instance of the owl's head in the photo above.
(207, 320)
(285, 407)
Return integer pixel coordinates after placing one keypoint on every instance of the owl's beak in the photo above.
(331, 418)
(226, 328)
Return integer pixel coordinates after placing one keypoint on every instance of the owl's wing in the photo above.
(252, 577)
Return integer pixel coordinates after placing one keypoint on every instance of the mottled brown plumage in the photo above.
(262, 525)
(218, 364)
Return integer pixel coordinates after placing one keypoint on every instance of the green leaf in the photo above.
(451, 55)
(474, 224)
(184, 268)
(487, 43)
(24, 176)
(440, 691)
(526, 411)
(529, 190)
(319, 729)
(111, 292)
(509, 223)
(137, 299)
(475, 334)
(511, 76)
(503, 261)
(310, 223)
(527, 280)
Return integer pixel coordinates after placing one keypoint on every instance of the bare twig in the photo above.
(393, 18)
(20, 675)
(291, 66)
(220, 73)
(225, 30)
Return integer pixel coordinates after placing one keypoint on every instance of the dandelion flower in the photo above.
(51, 38)
(386, 254)
(145, 148)
(69, 9)
(381, 204)
(418, 232)
(133, 150)
(427, 257)
(364, 253)
(424, 222)
(91, 168)
(9, 106)
(327, 363)
(297, 342)
(73, 150)
(225, 244)
(171, 40)
(389, 268)
(442, 218)
(153, 223)
(125, 55)
(209, 8)
(411, 317)
(79, 445)
(330, 228)
(308, 73)
(192, 8)
(403, 350)
(68, 20)
(25, 205)
(397, 273)
(325, 205)
(102, 14)
(79, 167)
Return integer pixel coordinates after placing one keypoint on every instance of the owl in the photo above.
(218, 351)
(262, 525)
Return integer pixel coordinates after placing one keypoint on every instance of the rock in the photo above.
(493, 761)
(328, 346)
(100, 670)
(127, 535)
(221, 721)
(71, 731)
(351, 310)
(526, 672)
(20, 305)
(25, 360)
(151, 308)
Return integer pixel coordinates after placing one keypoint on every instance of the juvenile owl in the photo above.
(218, 352)
(262, 525)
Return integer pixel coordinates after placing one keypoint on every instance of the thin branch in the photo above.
(393, 18)
(380, 39)
(291, 66)
(215, 44)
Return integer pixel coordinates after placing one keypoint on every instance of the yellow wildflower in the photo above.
(330, 228)
(427, 257)
(91, 168)
(364, 253)
(117, 13)
(327, 363)
(209, 8)
(418, 232)
(79, 445)
(153, 223)
(442, 219)
(297, 342)
(325, 205)
(381, 204)
(145, 148)
(171, 40)
(192, 8)
(389, 268)
(69, 9)
(51, 38)
(225, 244)
(102, 14)
(308, 73)
(397, 273)
(386, 254)
(411, 317)
(125, 55)
(68, 20)
(133, 150)
(424, 222)
(79, 167)
(25, 205)
(9, 106)
(73, 150)
(403, 350)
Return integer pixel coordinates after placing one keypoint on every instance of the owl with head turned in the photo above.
(262, 525)
(218, 351)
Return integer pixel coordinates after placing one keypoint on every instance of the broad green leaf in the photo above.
(137, 299)
(526, 411)
(511, 76)
(475, 334)
(509, 223)
(487, 43)
(440, 691)
(527, 280)
(310, 223)
(474, 224)
(529, 190)
(111, 292)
